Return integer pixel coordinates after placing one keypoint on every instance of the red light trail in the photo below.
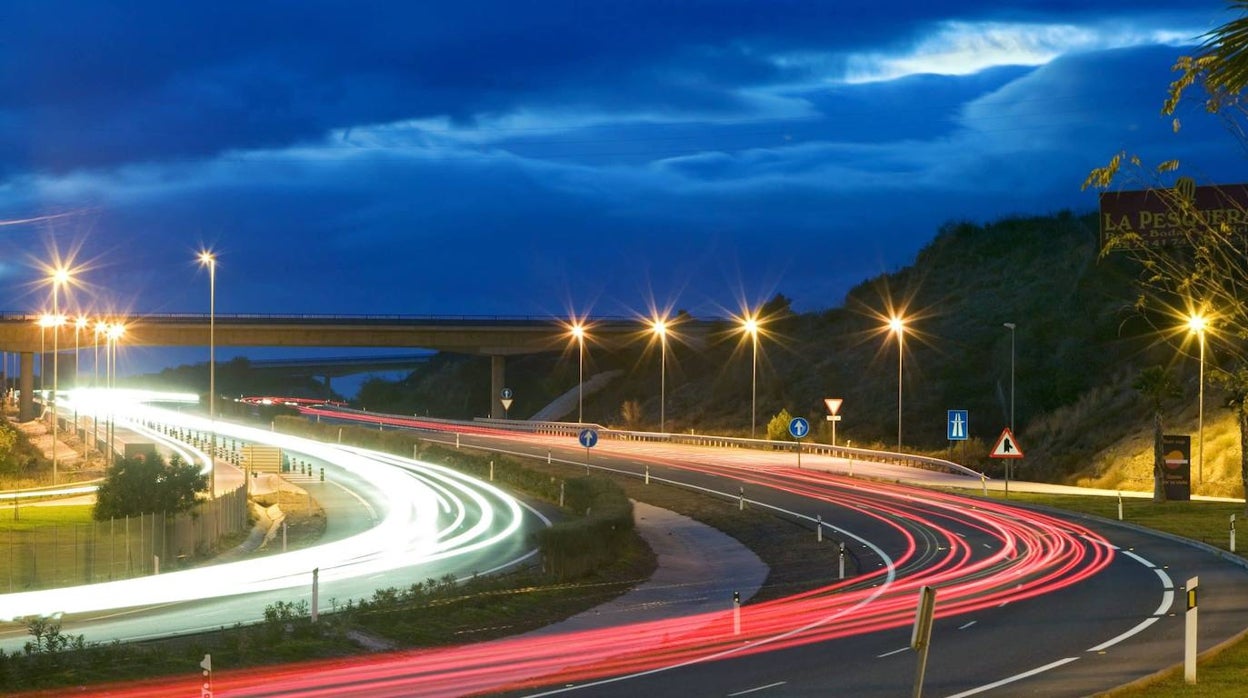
(1016, 554)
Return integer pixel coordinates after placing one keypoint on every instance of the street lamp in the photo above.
(1011, 326)
(898, 324)
(660, 329)
(60, 276)
(209, 260)
(1197, 323)
(115, 331)
(750, 327)
(578, 331)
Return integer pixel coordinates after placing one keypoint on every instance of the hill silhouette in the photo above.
(1078, 345)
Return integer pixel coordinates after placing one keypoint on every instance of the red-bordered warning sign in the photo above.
(1007, 446)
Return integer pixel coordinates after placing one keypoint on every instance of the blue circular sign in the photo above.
(505, 393)
(588, 438)
(799, 428)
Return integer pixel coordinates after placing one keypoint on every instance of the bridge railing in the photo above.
(572, 429)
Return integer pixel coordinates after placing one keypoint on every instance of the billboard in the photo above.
(1176, 476)
(1164, 217)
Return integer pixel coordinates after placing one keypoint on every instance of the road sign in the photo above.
(834, 405)
(506, 403)
(957, 424)
(1007, 446)
(506, 394)
(799, 427)
(588, 438)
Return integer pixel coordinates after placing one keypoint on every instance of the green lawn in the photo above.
(29, 517)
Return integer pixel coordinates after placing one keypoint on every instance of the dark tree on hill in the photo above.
(147, 485)
(1158, 386)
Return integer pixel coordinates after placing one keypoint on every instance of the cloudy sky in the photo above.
(533, 157)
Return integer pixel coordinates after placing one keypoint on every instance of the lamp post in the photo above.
(578, 331)
(59, 276)
(898, 325)
(660, 329)
(750, 327)
(115, 331)
(1196, 323)
(208, 259)
(1011, 326)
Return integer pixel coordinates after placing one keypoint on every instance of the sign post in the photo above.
(799, 429)
(921, 636)
(506, 397)
(1006, 447)
(588, 439)
(1176, 477)
(834, 406)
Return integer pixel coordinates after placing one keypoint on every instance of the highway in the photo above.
(1026, 602)
(394, 521)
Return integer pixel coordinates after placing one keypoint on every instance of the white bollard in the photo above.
(491, 471)
(818, 528)
(316, 591)
(1189, 634)
(1120, 506)
(736, 613)
(840, 553)
(741, 500)
(560, 494)
(155, 564)
(1232, 533)
(648, 477)
(548, 458)
(283, 535)
(456, 440)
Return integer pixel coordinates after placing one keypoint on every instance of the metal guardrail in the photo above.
(572, 429)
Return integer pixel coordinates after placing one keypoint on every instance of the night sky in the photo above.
(556, 156)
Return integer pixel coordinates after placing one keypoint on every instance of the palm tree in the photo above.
(1227, 49)
(1157, 385)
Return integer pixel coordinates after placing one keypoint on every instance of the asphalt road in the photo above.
(1120, 624)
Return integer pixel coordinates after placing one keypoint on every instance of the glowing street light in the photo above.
(1197, 323)
(209, 260)
(750, 326)
(578, 331)
(60, 277)
(660, 329)
(114, 334)
(898, 324)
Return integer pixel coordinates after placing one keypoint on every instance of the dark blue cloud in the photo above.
(531, 157)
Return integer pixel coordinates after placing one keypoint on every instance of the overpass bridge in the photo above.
(495, 336)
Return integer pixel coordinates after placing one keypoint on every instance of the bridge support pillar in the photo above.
(498, 381)
(26, 387)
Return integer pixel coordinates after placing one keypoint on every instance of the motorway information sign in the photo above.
(957, 425)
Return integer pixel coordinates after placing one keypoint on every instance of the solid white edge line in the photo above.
(760, 688)
(889, 654)
(1012, 679)
(1110, 643)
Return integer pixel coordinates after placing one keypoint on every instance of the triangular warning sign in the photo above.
(833, 404)
(1007, 446)
(506, 403)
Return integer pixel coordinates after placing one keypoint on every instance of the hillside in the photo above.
(1078, 346)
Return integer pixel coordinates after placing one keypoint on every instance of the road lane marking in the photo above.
(1137, 558)
(1016, 677)
(1139, 628)
(760, 688)
(964, 627)
(889, 654)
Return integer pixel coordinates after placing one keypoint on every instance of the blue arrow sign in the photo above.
(588, 438)
(799, 427)
(957, 425)
(505, 393)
